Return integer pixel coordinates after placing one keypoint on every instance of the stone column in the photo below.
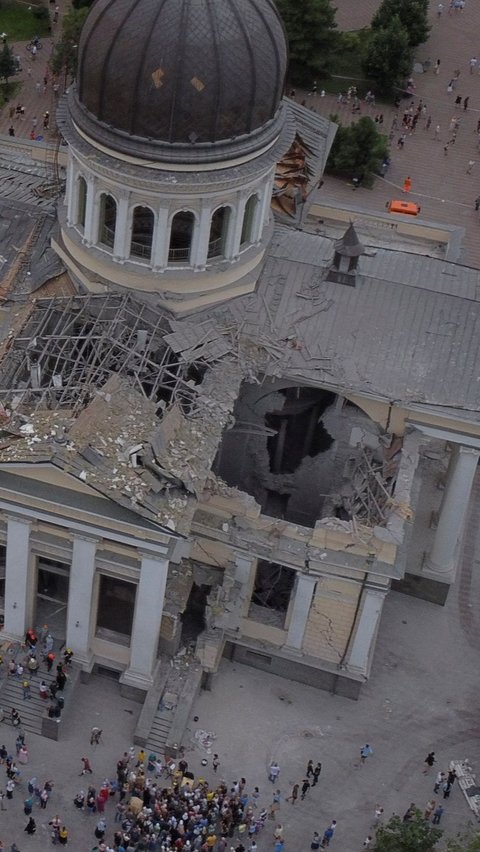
(237, 231)
(443, 556)
(304, 591)
(265, 203)
(90, 232)
(80, 592)
(71, 192)
(201, 237)
(19, 588)
(368, 620)
(160, 240)
(146, 621)
(121, 243)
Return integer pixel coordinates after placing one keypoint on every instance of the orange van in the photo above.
(407, 207)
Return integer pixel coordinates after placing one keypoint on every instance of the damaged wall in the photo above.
(331, 618)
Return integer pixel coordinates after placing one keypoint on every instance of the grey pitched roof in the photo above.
(409, 331)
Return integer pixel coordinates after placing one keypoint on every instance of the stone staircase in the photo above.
(162, 722)
(31, 710)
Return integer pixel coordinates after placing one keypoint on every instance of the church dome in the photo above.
(184, 73)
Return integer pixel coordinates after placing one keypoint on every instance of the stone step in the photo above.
(31, 710)
(162, 722)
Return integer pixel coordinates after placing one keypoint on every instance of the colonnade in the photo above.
(20, 589)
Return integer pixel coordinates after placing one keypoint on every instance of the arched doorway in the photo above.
(107, 220)
(248, 223)
(219, 232)
(143, 221)
(181, 236)
(81, 201)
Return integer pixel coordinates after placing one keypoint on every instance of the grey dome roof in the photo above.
(181, 72)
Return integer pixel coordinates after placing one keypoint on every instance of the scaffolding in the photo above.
(70, 347)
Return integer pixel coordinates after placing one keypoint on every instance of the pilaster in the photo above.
(19, 587)
(121, 245)
(304, 591)
(146, 622)
(441, 563)
(80, 593)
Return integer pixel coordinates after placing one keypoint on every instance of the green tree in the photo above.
(8, 66)
(469, 841)
(64, 57)
(416, 835)
(312, 37)
(358, 150)
(389, 56)
(413, 16)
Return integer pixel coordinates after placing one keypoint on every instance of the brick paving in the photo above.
(34, 96)
(440, 183)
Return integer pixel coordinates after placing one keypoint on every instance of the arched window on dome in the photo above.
(143, 221)
(218, 232)
(181, 236)
(249, 219)
(81, 201)
(107, 220)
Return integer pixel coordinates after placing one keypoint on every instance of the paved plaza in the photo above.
(423, 693)
(423, 696)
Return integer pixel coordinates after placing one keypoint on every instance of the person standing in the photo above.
(86, 766)
(315, 844)
(305, 788)
(215, 762)
(327, 836)
(441, 777)
(452, 774)
(309, 770)
(365, 752)
(30, 827)
(447, 789)
(377, 816)
(274, 772)
(294, 794)
(367, 841)
(429, 761)
(316, 773)
(437, 815)
(407, 184)
(429, 809)
(470, 166)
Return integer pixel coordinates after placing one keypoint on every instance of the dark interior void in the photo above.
(193, 618)
(299, 431)
(281, 449)
(271, 593)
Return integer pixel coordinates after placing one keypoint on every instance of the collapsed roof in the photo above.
(109, 390)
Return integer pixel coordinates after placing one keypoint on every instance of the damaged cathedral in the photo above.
(224, 431)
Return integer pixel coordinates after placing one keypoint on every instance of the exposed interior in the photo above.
(304, 453)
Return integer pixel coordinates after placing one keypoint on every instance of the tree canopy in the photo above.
(389, 56)
(358, 150)
(8, 66)
(312, 37)
(416, 835)
(412, 14)
(468, 841)
(64, 57)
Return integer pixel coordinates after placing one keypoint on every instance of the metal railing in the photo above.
(179, 255)
(215, 248)
(107, 236)
(141, 249)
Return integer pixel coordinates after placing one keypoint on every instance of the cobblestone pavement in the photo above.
(440, 184)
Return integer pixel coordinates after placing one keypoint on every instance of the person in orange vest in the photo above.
(407, 184)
